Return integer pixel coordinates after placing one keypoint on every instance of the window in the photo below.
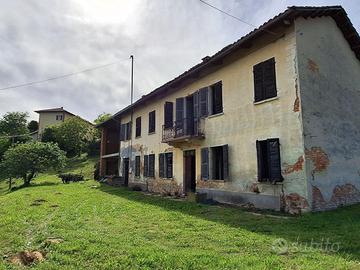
(125, 131)
(268, 158)
(265, 80)
(138, 127)
(166, 165)
(137, 166)
(209, 100)
(152, 122)
(149, 165)
(59, 117)
(216, 98)
(214, 160)
(168, 114)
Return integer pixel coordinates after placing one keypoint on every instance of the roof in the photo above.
(61, 109)
(290, 14)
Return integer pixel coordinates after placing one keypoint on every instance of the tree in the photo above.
(28, 159)
(33, 126)
(102, 118)
(74, 135)
(13, 129)
(15, 124)
(49, 134)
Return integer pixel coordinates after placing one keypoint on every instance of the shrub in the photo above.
(97, 171)
(28, 159)
(71, 177)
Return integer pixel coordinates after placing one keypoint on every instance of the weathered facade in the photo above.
(269, 121)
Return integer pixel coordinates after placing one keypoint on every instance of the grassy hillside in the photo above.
(112, 228)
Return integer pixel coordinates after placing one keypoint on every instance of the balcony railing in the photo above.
(184, 129)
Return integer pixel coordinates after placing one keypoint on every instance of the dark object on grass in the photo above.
(136, 188)
(71, 177)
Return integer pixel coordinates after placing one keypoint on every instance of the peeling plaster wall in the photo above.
(240, 125)
(329, 78)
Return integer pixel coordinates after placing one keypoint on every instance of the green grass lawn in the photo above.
(113, 228)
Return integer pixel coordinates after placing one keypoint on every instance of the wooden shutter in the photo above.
(205, 163)
(260, 164)
(169, 165)
(151, 165)
(128, 131)
(138, 127)
(180, 116)
(122, 132)
(162, 165)
(258, 82)
(168, 114)
(273, 147)
(152, 122)
(146, 165)
(203, 102)
(196, 112)
(137, 166)
(269, 78)
(225, 150)
(217, 98)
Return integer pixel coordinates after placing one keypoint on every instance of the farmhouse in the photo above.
(271, 120)
(53, 116)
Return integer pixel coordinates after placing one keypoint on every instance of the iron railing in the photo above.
(183, 128)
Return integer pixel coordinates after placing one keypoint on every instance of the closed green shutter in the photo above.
(274, 160)
(205, 163)
(161, 165)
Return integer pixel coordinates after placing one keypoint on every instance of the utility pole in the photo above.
(131, 103)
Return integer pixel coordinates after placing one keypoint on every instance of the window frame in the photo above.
(164, 166)
(264, 79)
(269, 160)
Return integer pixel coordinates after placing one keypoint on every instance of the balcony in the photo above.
(183, 130)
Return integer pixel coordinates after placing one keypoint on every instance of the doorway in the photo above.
(189, 171)
(126, 171)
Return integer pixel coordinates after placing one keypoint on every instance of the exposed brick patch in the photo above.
(342, 195)
(313, 66)
(319, 158)
(297, 166)
(297, 99)
(297, 104)
(210, 184)
(165, 187)
(318, 201)
(294, 203)
(255, 188)
(345, 194)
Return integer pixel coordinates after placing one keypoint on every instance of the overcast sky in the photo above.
(41, 39)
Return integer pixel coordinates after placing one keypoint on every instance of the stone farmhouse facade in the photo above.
(271, 120)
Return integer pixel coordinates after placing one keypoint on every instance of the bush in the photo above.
(97, 171)
(71, 177)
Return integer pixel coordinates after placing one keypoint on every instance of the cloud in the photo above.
(41, 39)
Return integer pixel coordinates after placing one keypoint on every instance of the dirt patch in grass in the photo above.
(38, 202)
(25, 258)
(53, 240)
(54, 206)
(58, 193)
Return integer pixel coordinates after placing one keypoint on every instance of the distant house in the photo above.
(270, 121)
(54, 116)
